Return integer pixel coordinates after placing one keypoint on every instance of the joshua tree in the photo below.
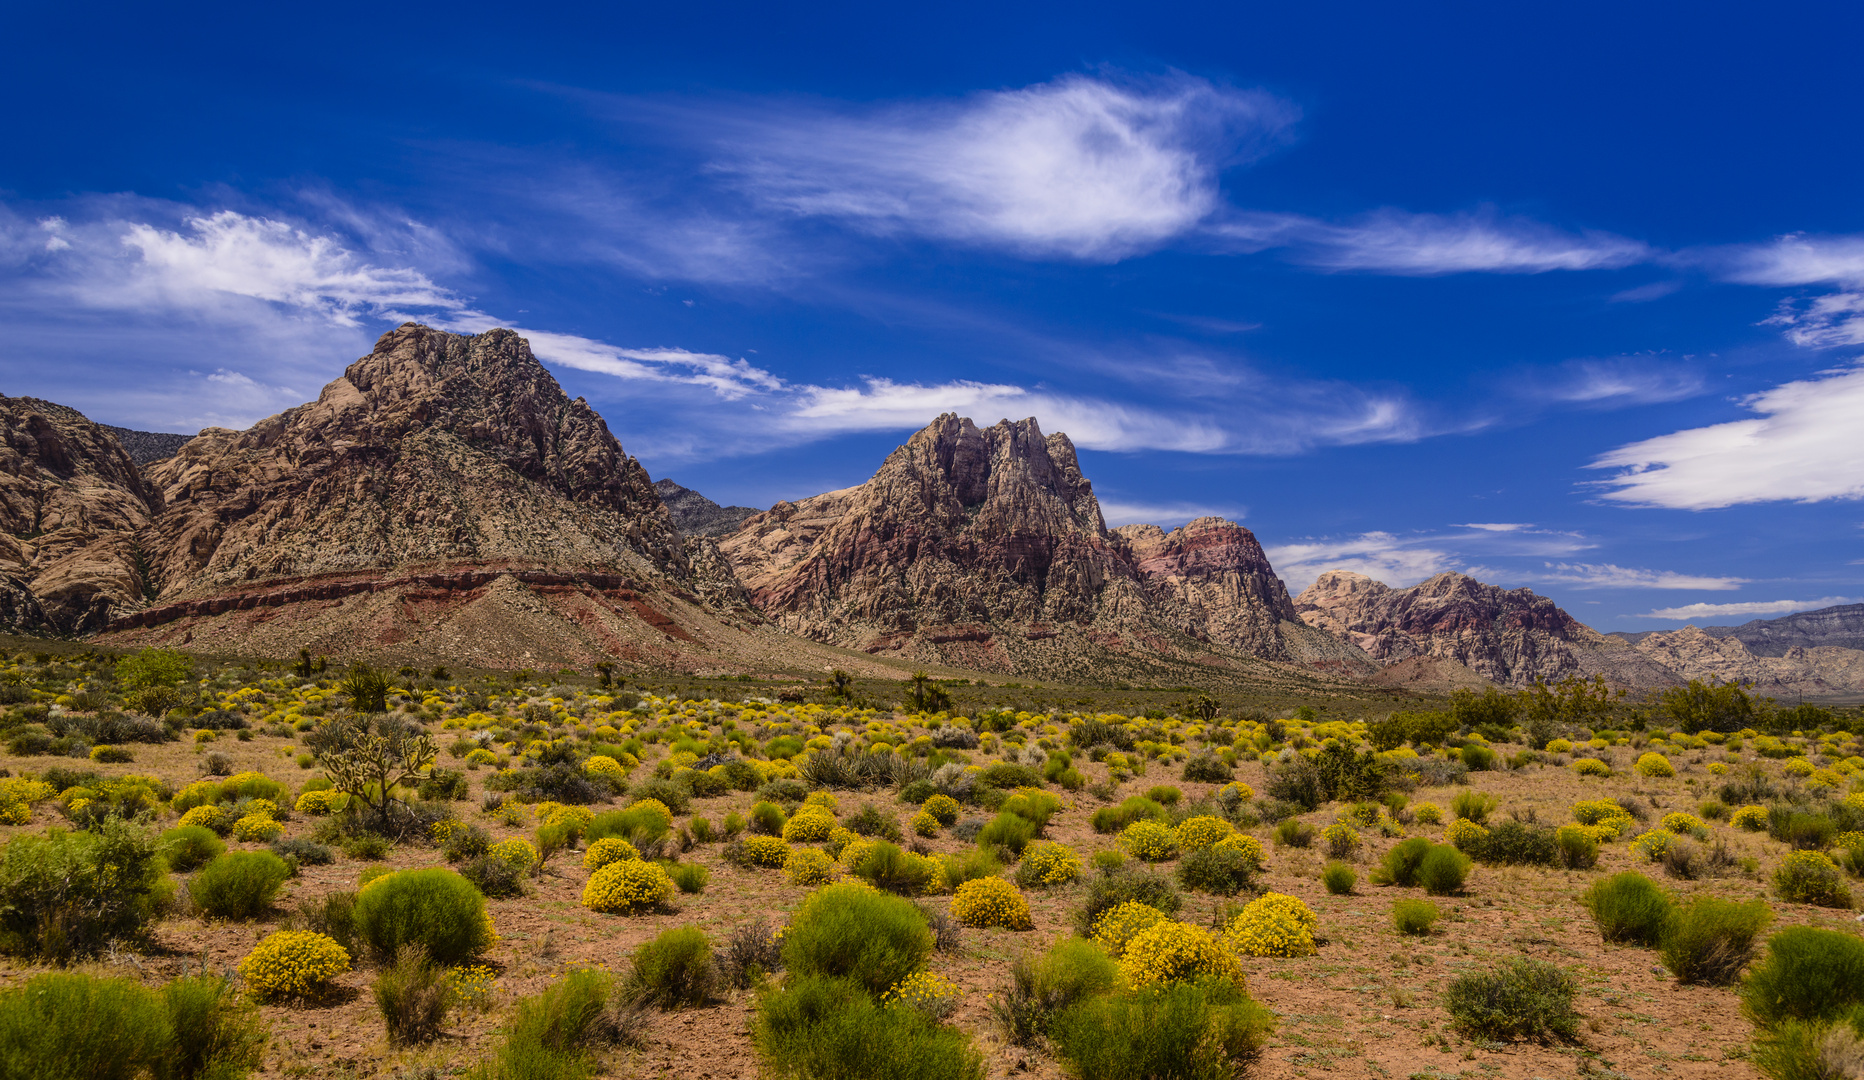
(840, 685)
(367, 688)
(367, 765)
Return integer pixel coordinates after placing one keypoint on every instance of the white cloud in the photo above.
(1382, 556)
(1118, 511)
(727, 378)
(1496, 526)
(1616, 381)
(1396, 242)
(1690, 612)
(1823, 322)
(1609, 576)
(1803, 447)
(1078, 167)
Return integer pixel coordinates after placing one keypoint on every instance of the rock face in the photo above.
(985, 547)
(442, 471)
(1510, 636)
(695, 515)
(1820, 671)
(145, 447)
(71, 503)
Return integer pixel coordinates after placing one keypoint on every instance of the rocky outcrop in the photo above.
(147, 447)
(695, 515)
(1820, 671)
(1509, 636)
(71, 504)
(986, 547)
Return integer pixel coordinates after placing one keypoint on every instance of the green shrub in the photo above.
(1113, 819)
(332, 915)
(640, 827)
(1442, 870)
(1578, 851)
(302, 851)
(1473, 805)
(1800, 830)
(1414, 916)
(673, 796)
(67, 894)
(434, 908)
(1339, 878)
(885, 866)
(1400, 864)
(1007, 776)
(1194, 1031)
(1808, 1050)
(1109, 890)
(1515, 843)
(1629, 908)
(673, 970)
(870, 820)
(239, 885)
(413, 994)
(688, 877)
(1073, 970)
(77, 1027)
(218, 1034)
(767, 819)
(1810, 877)
(1220, 871)
(1521, 999)
(1294, 833)
(1478, 757)
(1807, 974)
(1710, 941)
(969, 866)
(551, 1034)
(188, 847)
(1208, 768)
(367, 847)
(1009, 831)
(816, 1027)
(852, 932)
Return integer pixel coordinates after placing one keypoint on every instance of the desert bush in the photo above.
(1811, 877)
(1149, 840)
(749, 851)
(1273, 925)
(891, 869)
(688, 878)
(1710, 940)
(749, 953)
(639, 825)
(968, 866)
(332, 915)
(1479, 758)
(1294, 833)
(293, 964)
(819, 1027)
(990, 902)
(673, 970)
(850, 931)
(1194, 1031)
(413, 995)
(218, 1035)
(67, 1026)
(627, 886)
(1170, 951)
(434, 908)
(1577, 849)
(1808, 974)
(1342, 840)
(1471, 805)
(1072, 971)
(1339, 878)
(1047, 864)
(238, 885)
(1520, 999)
(1517, 843)
(1120, 924)
(1443, 870)
(1653, 764)
(187, 847)
(1008, 776)
(65, 895)
(674, 796)
(1208, 769)
(1400, 864)
(303, 851)
(1800, 830)
(1629, 908)
(1109, 890)
(1414, 916)
(1010, 831)
(1222, 871)
(1113, 819)
(550, 1035)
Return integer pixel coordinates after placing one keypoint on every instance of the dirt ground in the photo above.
(1366, 1005)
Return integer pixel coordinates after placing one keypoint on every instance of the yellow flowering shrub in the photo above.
(1558, 746)
(473, 986)
(1048, 864)
(1716, 768)
(1591, 766)
(207, 817)
(25, 790)
(1678, 821)
(1149, 840)
(809, 866)
(1120, 923)
(293, 963)
(810, 824)
(943, 807)
(1811, 877)
(1176, 952)
(14, 812)
(1826, 778)
(628, 885)
(609, 849)
(1797, 767)
(838, 840)
(924, 992)
(1849, 839)
(1197, 833)
(1751, 818)
(603, 765)
(481, 756)
(824, 799)
(768, 851)
(1428, 813)
(518, 853)
(1653, 764)
(925, 824)
(319, 803)
(654, 805)
(1237, 790)
(1855, 800)
(1275, 925)
(257, 827)
(1464, 833)
(1654, 844)
(1342, 839)
(991, 901)
(1250, 847)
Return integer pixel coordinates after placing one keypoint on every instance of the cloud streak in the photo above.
(1609, 576)
(1691, 612)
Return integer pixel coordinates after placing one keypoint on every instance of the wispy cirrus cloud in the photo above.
(1398, 242)
(1118, 510)
(1749, 609)
(1609, 576)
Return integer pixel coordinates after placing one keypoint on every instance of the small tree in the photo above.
(1205, 708)
(367, 688)
(605, 670)
(840, 685)
(367, 765)
(926, 695)
(154, 667)
(1700, 706)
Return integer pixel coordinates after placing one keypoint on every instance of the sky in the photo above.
(1567, 299)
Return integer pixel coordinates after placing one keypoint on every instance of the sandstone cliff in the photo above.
(71, 502)
(695, 515)
(1510, 636)
(985, 547)
(1820, 671)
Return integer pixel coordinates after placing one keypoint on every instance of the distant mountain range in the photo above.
(445, 499)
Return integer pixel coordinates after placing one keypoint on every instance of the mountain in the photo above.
(71, 503)
(1819, 671)
(695, 515)
(1835, 627)
(986, 548)
(145, 447)
(443, 499)
(1509, 636)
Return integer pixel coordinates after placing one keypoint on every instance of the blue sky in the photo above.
(1571, 299)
